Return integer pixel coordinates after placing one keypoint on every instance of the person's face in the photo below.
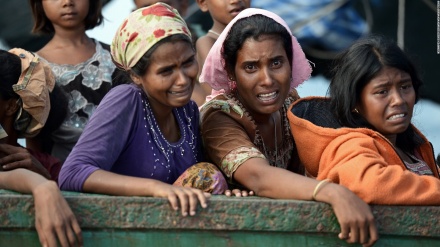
(223, 11)
(66, 13)
(170, 77)
(178, 5)
(262, 74)
(387, 101)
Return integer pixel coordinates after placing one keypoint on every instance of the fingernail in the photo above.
(184, 213)
(192, 213)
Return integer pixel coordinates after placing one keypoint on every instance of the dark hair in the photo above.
(10, 71)
(252, 27)
(357, 66)
(141, 66)
(43, 25)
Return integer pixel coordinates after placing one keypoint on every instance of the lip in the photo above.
(398, 119)
(236, 11)
(180, 92)
(268, 98)
(69, 14)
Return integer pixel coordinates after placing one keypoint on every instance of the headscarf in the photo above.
(35, 83)
(215, 74)
(142, 29)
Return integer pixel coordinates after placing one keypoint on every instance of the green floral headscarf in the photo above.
(142, 29)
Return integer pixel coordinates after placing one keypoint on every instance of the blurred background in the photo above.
(323, 28)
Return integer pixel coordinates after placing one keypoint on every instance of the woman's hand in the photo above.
(239, 193)
(53, 218)
(13, 157)
(186, 197)
(354, 216)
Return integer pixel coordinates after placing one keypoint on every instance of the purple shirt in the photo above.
(123, 137)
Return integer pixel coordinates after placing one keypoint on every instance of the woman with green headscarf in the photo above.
(144, 136)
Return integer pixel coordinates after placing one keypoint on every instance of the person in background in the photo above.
(144, 138)
(31, 106)
(361, 136)
(82, 66)
(258, 64)
(19, 169)
(221, 12)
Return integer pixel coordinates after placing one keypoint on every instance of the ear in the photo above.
(136, 79)
(202, 5)
(12, 107)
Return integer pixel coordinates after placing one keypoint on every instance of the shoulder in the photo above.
(204, 44)
(122, 94)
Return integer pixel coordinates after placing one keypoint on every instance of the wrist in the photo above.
(44, 187)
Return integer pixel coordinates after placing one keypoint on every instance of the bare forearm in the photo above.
(104, 182)
(21, 180)
(274, 182)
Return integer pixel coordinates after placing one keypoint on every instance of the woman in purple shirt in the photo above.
(145, 136)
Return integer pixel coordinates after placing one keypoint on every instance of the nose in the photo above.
(266, 78)
(67, 2)
(397, 98)
(182, 78)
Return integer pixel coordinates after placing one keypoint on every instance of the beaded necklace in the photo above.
(166, 147)
(276, 142)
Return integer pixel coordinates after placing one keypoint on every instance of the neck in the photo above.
(71, 37)
(392, 139)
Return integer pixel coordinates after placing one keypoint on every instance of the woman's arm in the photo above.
(53, 218)
(372, 169)
(104, 182)
(353, 214)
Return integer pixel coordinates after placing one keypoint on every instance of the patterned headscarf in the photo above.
(142, 29)
(215, 74)
(34, 85)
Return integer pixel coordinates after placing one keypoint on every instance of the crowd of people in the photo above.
(160, 113)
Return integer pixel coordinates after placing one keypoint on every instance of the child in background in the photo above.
(180, 5)
(54, 221)
(31, 105)
(82, 66)
(222, 12)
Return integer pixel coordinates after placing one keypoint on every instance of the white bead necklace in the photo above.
(276, 142)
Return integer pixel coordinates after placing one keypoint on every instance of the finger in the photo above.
(344, 232)
(353, 236)
(244, 193)
(228, 193)
(184, 202)
(78, 233)
(41, 235)
(172, 198)
(62, 236)
(364, 234)
(15, 165)
(236, 192)
(374, 235)
(71, 237)
(193, 196)
(203, 198)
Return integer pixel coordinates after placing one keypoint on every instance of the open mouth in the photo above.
(181, 92)
(236, 11)
(397, 116)
(266, 97)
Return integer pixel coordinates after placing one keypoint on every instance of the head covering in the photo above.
(34, 85)
(142, 29)
(214, 72)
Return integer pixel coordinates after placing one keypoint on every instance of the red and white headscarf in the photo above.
(142, 29)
